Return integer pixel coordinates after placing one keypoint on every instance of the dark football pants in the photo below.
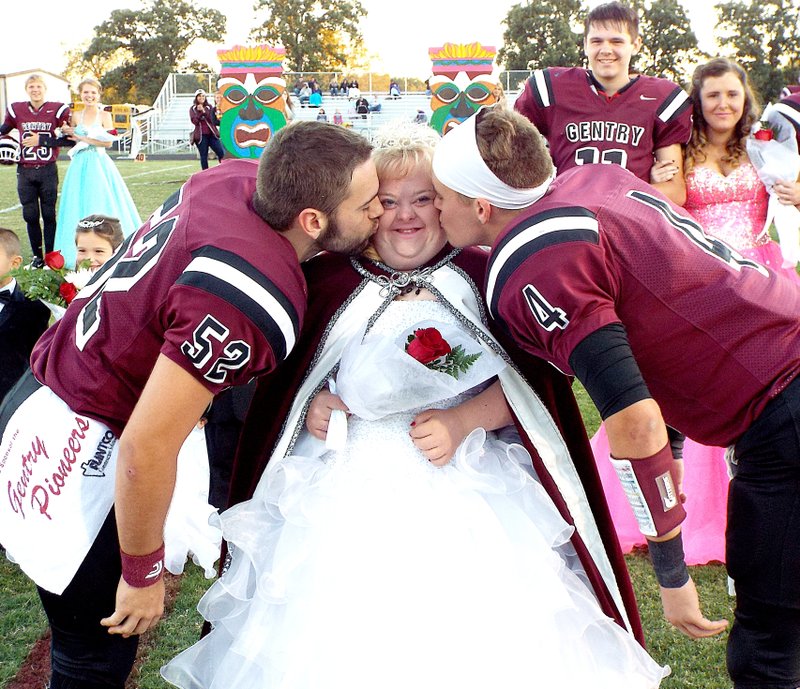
(38, 189)
(763, 549)
(83, 654)
(202, 147)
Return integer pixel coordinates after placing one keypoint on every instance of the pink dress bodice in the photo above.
(732, 208)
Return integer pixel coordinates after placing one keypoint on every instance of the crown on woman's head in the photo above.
(403, 133)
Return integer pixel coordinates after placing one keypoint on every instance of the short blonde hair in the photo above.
(9, 243)
(35, 78)
(512, 148)
(401, 147)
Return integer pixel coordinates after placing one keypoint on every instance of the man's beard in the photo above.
(334, 240)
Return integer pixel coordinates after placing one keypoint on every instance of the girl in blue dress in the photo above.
(92, 184)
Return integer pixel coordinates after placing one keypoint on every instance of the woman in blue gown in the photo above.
(92, 184)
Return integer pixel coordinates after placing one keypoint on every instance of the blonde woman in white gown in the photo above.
(420, 551)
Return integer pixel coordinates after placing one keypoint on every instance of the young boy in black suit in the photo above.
(22, 321)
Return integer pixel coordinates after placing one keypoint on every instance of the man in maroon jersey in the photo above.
(605, 114)
(683, 330)
(37, 176)
(206, 295)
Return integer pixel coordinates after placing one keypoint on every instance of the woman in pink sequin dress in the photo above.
(724, 193)
(723, 190)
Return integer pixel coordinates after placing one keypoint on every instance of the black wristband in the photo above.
(668, 562)
(676, 442)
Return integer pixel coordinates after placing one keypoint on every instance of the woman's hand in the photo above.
(663, 171)
(319, 413)
(788, 193)
(437, 433)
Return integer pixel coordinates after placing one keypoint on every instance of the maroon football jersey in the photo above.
(790, 109)
(582, 126)
(715, 335)
(45, 120)
(205, 281)
(790, 90)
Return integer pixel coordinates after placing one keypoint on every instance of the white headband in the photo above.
(457, 163)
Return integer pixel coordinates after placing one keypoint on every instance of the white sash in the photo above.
(57, 472)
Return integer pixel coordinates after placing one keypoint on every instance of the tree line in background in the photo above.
(133, 52)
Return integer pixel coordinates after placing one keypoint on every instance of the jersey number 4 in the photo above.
(547, 315)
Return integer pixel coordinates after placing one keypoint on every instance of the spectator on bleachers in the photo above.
(361, 106)
(337, 117)
(333, 87)
(315, 99)
(304, 95)
(394, 89)
(321, 115)
(499, 94)
(375, 105)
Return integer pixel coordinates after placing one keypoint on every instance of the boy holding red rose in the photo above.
(22, 321)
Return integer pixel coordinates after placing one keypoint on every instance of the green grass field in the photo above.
(149, 183)
(699, 664)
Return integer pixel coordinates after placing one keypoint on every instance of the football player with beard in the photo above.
(206, 295)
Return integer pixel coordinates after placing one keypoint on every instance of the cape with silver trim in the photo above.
(343, 294)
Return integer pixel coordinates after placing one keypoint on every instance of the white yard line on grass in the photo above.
(153, 172)
(11, 208)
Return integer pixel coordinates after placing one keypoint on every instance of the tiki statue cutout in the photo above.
(251, 98)
(462, 82)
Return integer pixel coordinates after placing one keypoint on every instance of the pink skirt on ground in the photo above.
(705, 484)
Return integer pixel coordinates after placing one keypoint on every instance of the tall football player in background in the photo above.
(604, 114)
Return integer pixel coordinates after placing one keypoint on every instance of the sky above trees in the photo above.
(398, 34)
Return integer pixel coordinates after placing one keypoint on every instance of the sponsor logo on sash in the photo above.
(102, 456)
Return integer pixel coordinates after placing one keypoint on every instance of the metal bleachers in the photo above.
(405, 107)
(167, 128)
